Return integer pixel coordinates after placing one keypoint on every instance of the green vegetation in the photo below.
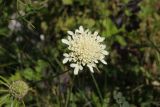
(31, 50)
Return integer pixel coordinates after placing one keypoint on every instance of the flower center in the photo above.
(86, 49)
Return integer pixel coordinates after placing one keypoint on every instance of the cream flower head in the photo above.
(85, 49)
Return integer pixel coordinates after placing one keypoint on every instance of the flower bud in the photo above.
(18, 89)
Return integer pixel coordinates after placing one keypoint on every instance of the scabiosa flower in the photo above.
(18, 89)
(13, 92)
(85, 49)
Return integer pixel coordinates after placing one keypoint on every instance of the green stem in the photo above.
(28, 22)
(59, 74)
(23, 103)
(69, 93)
(88, 103)
(97, 87)
(4, 99)
(67, 99)
(98, 70)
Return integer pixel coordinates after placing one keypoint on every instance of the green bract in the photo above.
(18, 89)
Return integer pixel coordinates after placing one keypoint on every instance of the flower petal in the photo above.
(86, 31)
(70, 59)
(90, 68)
(81, 29)
(77, 31)
(103, 61)
(65, 41)
(66, 55)
(73, 65)
(95, 33)
(103, 46)
(105, 52)
(70, 33)
(69, 38)
(65, 60)
(76, 69)
(96, 61)
(100, 39)
(80, 67)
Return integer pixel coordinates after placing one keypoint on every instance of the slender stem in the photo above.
(69, 93)
(88, 103)
(59, 63)
(58, 100)
(59, 74)
(16, 104)
(23, 103)
(28, 22)
(98, 70)
(120, 105)
(154, 45)
(59, 93)
(67, 98)
(12, 103)
(97, 87)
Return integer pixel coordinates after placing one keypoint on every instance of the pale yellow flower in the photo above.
(85, 49)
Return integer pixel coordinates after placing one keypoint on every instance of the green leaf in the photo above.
(121, 40)
(89, 22)
(3, 32)
(35, 75)
(67, 2)
(4, 99)
(125, 104)
(16, 76)
(21, 5)
(110, 28)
